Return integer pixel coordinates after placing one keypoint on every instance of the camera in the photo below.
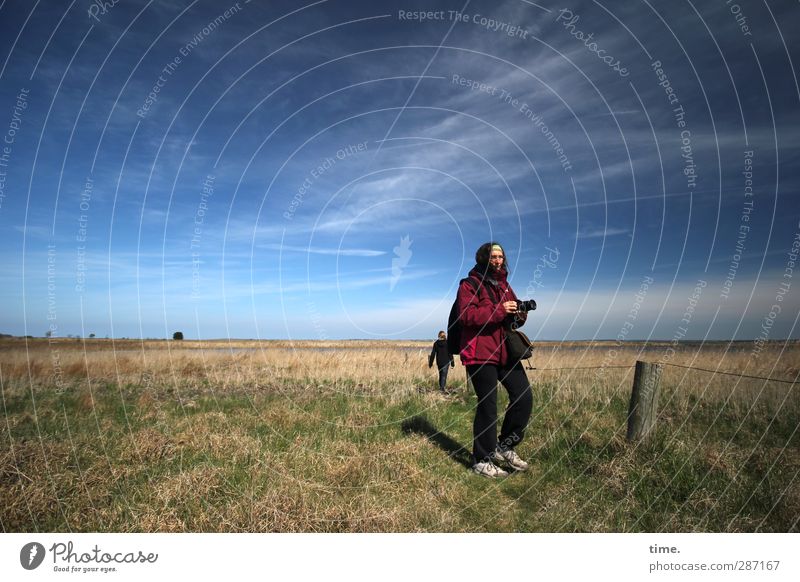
(525, 306)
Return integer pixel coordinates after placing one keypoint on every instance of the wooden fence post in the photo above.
(644, 400)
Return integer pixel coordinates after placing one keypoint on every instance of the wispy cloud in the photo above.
(601, 233)
(324, 251)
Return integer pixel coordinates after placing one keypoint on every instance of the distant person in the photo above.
(444, 359)
(485, 305)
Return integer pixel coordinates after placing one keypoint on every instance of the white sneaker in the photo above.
(488, 469)
(511, 459)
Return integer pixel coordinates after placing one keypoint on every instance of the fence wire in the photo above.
(736, 374)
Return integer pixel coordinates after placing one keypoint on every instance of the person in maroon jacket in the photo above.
(485, 305)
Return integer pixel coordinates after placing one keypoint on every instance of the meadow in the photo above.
(219, 436)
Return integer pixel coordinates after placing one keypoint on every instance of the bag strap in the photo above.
(477, 285)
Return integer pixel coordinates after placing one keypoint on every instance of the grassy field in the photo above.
(150, 436)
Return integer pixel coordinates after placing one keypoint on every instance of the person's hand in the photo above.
(510, 306)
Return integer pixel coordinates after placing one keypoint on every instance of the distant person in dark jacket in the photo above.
(444, 359)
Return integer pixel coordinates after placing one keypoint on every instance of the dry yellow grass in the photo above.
(578, 369)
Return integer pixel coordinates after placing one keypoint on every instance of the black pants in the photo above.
(484, 380)
(443, 376)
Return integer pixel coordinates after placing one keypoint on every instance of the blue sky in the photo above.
(327, 169)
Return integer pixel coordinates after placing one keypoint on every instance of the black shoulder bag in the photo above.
(518, 346)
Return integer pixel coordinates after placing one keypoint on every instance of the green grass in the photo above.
(333, 458)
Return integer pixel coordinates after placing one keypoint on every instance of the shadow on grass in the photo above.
(421, 425)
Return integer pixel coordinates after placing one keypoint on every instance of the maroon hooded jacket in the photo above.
(482, 316)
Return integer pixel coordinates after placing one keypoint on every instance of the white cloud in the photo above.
(601, 233)
(657, 311)
(324, 251)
